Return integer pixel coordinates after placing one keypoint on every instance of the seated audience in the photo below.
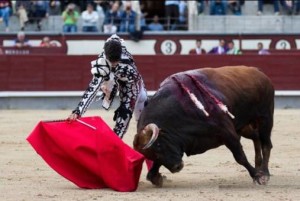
(231, 49)
(155, 25)
(220, 49)
(89, 19)
(47, 43)
(198, 49)
(70, 17)
(21, 40)
(218, 7)
(261, 50)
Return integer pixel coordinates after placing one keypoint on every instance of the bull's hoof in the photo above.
(261, 178)
(156, 180)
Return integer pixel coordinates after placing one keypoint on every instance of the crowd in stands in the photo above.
(124, 16)
(224, 48)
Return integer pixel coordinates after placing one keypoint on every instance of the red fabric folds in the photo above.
(89, 158)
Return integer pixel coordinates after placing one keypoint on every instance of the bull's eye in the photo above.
(158, 146)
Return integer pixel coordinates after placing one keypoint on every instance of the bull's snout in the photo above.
(177, 167)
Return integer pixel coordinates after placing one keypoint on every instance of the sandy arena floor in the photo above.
(213, 175)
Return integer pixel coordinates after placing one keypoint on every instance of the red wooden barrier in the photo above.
(72, 73)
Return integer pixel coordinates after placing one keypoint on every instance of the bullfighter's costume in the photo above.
(125, 79)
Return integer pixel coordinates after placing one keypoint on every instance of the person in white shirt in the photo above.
(89, 19)
(198, 50)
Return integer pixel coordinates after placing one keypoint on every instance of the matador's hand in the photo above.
(72, 117)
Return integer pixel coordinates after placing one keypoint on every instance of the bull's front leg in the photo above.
(154, 176)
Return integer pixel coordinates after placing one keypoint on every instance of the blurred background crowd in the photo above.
(125, 16)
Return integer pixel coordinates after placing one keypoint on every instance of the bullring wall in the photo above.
(72, 73)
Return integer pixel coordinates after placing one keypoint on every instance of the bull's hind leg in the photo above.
(265, 129)
(233, 143)
(250, 131)
(258, 151)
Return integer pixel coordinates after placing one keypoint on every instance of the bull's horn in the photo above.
(155, 131)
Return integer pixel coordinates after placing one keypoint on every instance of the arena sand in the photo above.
(213, 175)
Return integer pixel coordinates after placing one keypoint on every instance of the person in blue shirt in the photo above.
(128, 17)
(155, 25)
(218, 7)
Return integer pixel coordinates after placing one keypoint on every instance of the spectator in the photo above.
(155, 25)
(82, 4)
(104, 4)
(112, 19)
(47, 43)
(275, 3)
(290, 6)
(235, 6)
(101, 13)
(198, 50)
(65, 3)
(200, 6)
(220, 49)
(70, 17)
(5, 10)
(183, 15)
(136, 7)
(172, 14)
(296, 6)
(218, 7)
(54, 7)
(21, 40)
(90, 19)
(38, 10)
(22, 8)
(261, 50)
(232, 49)
(128, 19)
(143, 16)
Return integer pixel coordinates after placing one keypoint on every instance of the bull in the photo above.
(202, 109)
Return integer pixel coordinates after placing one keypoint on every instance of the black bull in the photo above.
(172, 124)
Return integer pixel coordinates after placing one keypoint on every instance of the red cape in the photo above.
(89, 158)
